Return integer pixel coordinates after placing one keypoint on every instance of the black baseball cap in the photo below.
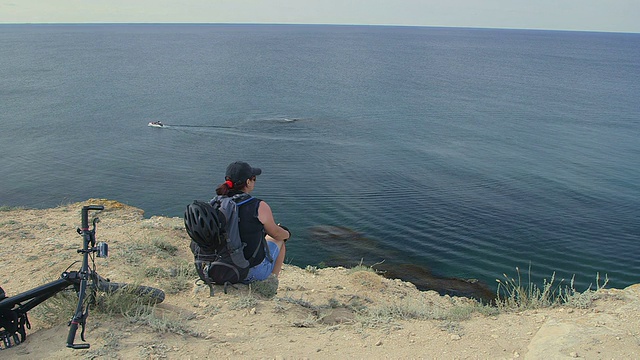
(240, 171)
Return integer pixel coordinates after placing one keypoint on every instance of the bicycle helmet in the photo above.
(203, 224)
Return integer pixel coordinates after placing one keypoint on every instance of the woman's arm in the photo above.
(266, 218)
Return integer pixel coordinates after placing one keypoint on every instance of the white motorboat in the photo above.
(157, 124)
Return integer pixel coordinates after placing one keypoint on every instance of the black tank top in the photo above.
(251, 231)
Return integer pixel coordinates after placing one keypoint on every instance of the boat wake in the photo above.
(202, 126)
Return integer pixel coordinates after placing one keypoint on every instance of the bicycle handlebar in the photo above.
(85, 214)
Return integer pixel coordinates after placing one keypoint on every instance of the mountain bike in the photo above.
(86, 282)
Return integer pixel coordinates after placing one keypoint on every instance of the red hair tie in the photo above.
(229, 184)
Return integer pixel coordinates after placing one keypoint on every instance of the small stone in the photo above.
(494, 336)
(516, 354)
(573, 354)
(379, 343)
(252, 311)
(455, 337)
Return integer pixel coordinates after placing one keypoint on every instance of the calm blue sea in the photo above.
(464, 152)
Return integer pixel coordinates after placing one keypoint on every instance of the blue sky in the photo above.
(589, 15)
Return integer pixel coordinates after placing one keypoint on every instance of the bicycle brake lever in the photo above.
(82, 332)
(84, 322)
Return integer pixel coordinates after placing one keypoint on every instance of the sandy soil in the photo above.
(316, 314)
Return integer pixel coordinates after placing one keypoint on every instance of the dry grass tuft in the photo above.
(513, 294)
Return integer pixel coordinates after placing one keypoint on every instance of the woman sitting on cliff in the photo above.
(256, 220)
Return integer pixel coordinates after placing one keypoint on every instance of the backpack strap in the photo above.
(202, 263)
(267, 252)
(240, 199)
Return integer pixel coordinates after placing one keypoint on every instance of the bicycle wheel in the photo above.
(154, 295)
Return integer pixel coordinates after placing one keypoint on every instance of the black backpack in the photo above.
(215, 240)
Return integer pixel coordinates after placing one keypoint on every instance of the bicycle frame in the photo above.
(89, 238)
(27, 300)
(37, 295)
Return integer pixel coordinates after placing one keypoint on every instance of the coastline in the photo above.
(317, 313)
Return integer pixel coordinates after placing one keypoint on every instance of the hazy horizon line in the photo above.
(312, 24)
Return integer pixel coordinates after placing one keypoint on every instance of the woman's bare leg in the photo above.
(280, 259)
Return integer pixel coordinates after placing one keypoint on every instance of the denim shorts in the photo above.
(265, 268)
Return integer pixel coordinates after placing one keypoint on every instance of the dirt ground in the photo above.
(316, 313)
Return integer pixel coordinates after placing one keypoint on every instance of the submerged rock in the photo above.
(349, 248)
